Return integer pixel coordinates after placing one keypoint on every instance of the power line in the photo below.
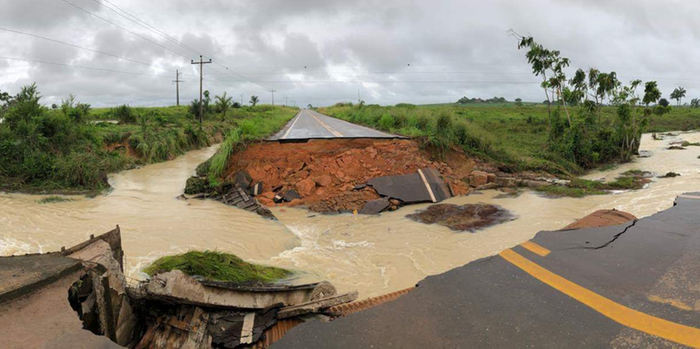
(79, 47)
(79, 66)
(122, 28)
(161, 33)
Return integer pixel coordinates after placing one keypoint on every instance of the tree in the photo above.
(310, 106)
(253, 100)
(223, 104)
(678, 94)
(651, 95)
(550, 65)
(664, 102)
(695, 103)
(518, 102)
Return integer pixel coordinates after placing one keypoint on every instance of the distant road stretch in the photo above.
(309, 124)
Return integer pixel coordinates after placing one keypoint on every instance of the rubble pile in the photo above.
(331, 175)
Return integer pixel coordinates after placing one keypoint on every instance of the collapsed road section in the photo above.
(632, 284)
(79, 298)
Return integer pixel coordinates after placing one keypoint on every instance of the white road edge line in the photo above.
(334, 132)
(689, 197)
(427, 185)
(291, 127)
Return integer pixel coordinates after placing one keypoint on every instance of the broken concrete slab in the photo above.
(375, 206)
(425, 185)
(291, 195)
(243, 180)
(316, 305)
(182, 288)
(257, 189)
(22, 275)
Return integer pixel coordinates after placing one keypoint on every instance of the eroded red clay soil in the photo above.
(325, 172)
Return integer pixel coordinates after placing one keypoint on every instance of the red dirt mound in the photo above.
(326, 172)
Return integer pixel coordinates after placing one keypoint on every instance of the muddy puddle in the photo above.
(373, 254)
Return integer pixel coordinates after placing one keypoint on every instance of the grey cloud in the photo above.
(365, 41)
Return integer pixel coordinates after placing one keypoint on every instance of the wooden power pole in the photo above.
(201, 82)
(177, 82)
(273, 97)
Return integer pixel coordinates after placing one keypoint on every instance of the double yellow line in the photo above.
(619, 313)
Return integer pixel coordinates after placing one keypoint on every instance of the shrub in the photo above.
(124, 114)
(386, 122)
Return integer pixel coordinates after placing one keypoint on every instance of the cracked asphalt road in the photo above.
(632, 285)
(309, 124)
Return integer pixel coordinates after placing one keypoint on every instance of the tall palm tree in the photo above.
(253, 100)
(223, 103)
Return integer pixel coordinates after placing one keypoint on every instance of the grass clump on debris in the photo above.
(54, 199)
(579, 187)
(217, 266)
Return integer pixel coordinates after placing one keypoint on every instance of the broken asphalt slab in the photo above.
(22, 275)
(426, 185)
(627, 285)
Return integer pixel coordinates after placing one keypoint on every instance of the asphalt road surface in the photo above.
(627, 286)
(309, 124)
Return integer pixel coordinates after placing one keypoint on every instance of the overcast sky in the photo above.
(324, 51)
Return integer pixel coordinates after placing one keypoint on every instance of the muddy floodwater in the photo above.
(371, 254)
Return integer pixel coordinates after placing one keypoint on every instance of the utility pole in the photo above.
(273, 97)
(177, 82)
(359, 100)
(285, 101)
(241, 99)
(201, 82)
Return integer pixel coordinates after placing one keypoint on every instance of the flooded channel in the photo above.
(372, 254)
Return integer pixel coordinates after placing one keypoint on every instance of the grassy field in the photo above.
(71, 149)
(515, 137)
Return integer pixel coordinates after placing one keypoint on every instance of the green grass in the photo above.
(54, 199)
(251, 129)
(71, 151)
(516, 138)
(217, 266)
(578, 187)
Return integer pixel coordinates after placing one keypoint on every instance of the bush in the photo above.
(124, 114)
(386, 122)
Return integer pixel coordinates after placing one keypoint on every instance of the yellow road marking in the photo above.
(427, 185)
(331, 130)
(535, 248)
(672, 331)
(689, 197)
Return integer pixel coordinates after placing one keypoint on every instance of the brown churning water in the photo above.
(373, 254)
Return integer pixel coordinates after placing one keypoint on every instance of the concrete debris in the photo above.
(105, 307)
(375, 206)
(181, 288)
(426, 185)
(316, 305)
(234, 195)
(291, 195)
(242, 179)
(257, 189)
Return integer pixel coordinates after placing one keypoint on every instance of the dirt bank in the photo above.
(325, 173)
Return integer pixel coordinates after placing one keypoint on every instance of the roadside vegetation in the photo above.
(217, 266)
(72, 147)
(587, 121)
(579, 187)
